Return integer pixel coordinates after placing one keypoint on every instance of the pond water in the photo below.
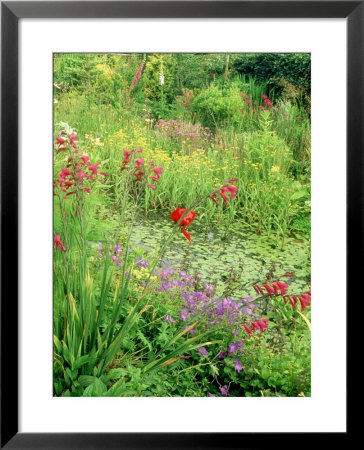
(233, 263)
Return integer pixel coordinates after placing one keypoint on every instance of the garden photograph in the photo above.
(181, 224)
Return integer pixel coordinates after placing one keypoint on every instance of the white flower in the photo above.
(161, 78)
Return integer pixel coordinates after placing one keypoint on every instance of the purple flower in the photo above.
(233, 347)
(238, 365)
(222, 354)
(168, 319)
(209, 289)
(184, 314)
(211, 395)
(202, 351)
(191, 331)
(224, 391)
(142, 263)
(117, 249)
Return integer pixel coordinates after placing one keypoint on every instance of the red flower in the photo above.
(258, 289)
(127, 155)
(93, 168)
(187, 219)
(212, 75)
(158, 171)
(59, 243)
(223, 196)
(282, 287)
(139, 163)
(85, 160)
(293, 304)
(276, 288)
(305, 301)
(247, 329)
(269, 289)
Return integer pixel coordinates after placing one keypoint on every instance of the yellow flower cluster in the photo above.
(196, 166)
(106, 71)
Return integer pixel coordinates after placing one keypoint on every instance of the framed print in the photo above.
(174, 188)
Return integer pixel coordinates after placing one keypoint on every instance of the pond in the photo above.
(233, 263)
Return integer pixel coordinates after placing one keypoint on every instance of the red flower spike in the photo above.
(293, 304)
(58, 243)
(186, 234)
(187, 219)
(275, 288)
(260, 289)
(223, 196)
(158, 171)
(269, 289)
(247, 329)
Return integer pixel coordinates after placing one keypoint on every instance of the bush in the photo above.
(289, 74)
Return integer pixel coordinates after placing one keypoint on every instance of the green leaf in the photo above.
(114, 374)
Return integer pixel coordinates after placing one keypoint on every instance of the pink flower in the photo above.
(93, 168)
(151, 186)
(158, 171)
(58, 243)
(139, 163)
(85, 159)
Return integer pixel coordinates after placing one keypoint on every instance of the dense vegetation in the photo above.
(182, 225)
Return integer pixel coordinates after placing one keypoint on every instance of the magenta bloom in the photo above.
(58, 243)
(158, 171)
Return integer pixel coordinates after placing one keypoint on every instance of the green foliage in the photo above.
(289, 74)
(215, 106)
(111, 337)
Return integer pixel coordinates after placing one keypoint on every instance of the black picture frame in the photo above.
(11, 12)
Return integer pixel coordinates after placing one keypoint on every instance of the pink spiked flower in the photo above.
(58, 243)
